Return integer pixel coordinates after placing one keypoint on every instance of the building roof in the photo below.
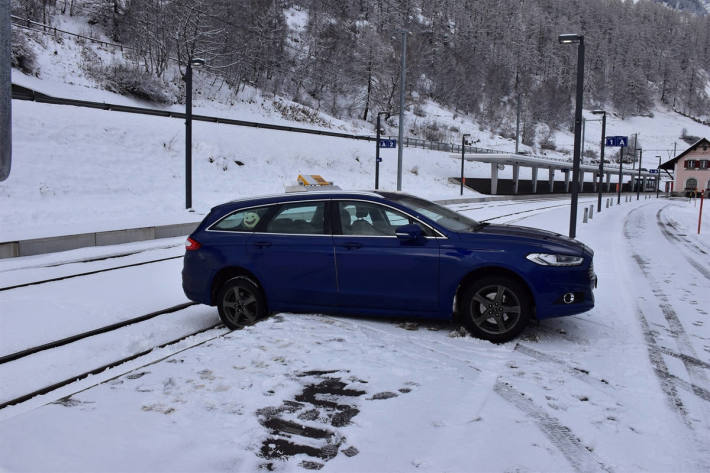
(670, 164)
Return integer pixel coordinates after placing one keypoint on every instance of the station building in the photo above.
(691, 169)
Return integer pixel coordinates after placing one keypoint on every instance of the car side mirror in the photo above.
(409, 233)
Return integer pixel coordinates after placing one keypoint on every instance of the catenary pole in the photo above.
(402, 85)
(5, 92)
(601, 163)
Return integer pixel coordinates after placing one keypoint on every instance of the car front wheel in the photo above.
(495, 308)
(240, 303)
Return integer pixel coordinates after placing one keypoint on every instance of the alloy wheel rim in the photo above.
(240, 306)
(495, 309)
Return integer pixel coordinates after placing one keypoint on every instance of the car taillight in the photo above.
(191, 245)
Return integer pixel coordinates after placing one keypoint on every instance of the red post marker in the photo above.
(700, 214)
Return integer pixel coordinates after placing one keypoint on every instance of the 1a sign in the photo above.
(621, 141)
(385, 143)
(654, 171)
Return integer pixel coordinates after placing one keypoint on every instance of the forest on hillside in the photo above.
(474, 56)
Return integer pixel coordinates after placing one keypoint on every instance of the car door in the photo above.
(292, 254)
(375, 269)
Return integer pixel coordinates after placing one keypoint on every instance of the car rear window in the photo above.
(241, 221)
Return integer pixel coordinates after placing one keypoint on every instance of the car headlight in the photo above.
(545, 259)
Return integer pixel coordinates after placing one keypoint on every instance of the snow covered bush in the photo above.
(132, 80)
(127, 79)
(23, 56)
(548, 142)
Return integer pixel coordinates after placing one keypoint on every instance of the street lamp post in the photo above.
(402, 86)
(463, 151)
(188, 128)
(621, 175)
(638, 180)
(377, 152)
(579, 39)
(601, 161)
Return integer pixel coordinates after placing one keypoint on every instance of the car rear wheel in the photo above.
(240, 303)
(495, 308)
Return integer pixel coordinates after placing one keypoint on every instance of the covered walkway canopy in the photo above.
(551, 164)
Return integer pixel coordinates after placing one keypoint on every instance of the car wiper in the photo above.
(479, 225)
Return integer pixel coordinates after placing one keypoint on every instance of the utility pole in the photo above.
(5, 92)
(402, 86)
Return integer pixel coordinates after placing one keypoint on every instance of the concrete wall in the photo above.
(36, 246)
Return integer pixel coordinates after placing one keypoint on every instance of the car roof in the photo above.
(307, 195)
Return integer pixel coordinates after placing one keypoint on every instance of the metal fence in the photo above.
(24, 93)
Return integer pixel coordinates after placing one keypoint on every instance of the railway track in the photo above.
(87, 273)
(24, 353)
(79, 377)
(90, 333)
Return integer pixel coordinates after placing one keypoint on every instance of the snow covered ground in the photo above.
(623, 387)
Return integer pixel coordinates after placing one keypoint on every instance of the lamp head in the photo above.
(570, 38)
(197, 62)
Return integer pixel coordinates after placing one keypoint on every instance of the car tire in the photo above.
(505, 300)
(240, 302)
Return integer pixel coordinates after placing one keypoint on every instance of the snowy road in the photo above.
(623, 387)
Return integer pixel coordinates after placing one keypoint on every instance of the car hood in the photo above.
(544, 237)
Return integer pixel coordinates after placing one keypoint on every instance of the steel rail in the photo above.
(88, 273)
(98, 370)
(108, 328)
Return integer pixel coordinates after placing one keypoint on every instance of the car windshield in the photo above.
(447, 218)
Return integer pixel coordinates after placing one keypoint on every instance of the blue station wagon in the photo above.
(386, 254)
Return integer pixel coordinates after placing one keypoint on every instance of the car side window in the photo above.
(302, 218)
(370, 219)
(241, 221)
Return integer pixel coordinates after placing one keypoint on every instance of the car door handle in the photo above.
(262, 244)
(351, 245)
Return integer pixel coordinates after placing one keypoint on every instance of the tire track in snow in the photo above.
(579, 373)
(677, 331)
(577, 455)
(673, 238)
(668, 385)
(561, 437)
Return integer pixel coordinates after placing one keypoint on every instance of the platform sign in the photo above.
(385, 143)
(654, 171)
(621, 141)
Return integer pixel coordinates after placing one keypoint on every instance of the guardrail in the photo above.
(24, 93)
